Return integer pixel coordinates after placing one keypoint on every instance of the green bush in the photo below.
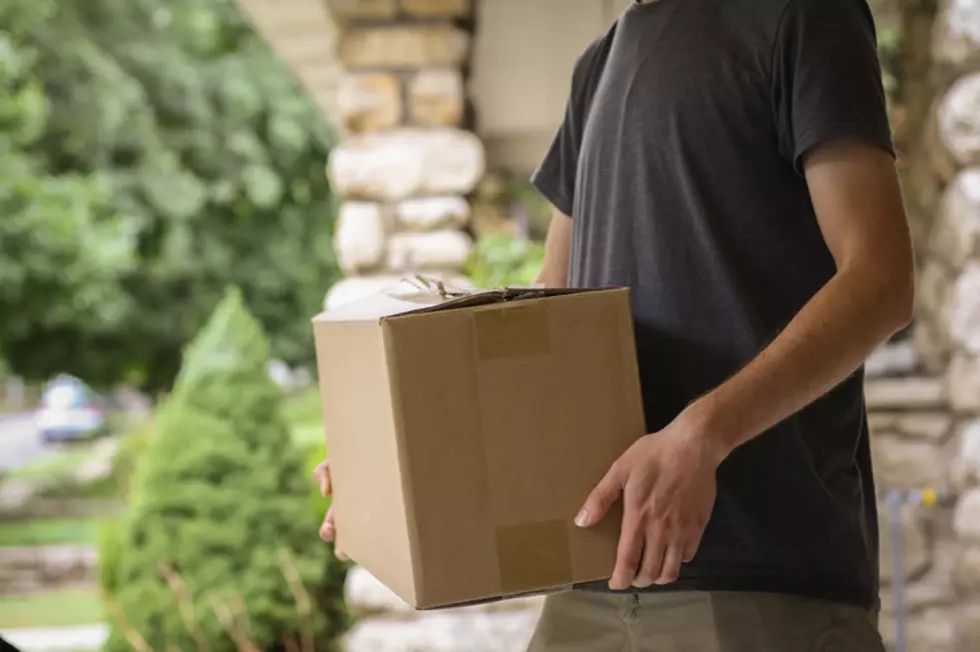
(132, 448)
(505, 260)
(220, 541)
(111, 544)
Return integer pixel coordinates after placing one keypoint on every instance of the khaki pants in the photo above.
(582, 621)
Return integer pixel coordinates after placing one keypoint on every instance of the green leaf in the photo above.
(263, 186)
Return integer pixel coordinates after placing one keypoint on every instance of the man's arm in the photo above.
(557, 250)
(856, 195)
(668, 480)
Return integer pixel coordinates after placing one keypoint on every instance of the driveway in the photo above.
(19, 443)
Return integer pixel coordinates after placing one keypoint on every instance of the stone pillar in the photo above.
(406, 161)
(948, 328)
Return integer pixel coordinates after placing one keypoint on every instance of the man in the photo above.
(730, 161)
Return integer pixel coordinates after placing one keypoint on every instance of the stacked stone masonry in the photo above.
(944, 594)
(406, 163)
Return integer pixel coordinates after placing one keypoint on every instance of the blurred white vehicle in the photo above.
(70, 411)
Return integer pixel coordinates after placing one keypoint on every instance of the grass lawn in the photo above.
(80, 606)
(47, 531)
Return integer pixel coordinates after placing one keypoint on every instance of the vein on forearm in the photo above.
(822, 346)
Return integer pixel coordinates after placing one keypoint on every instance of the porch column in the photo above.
(407, 159)
(948, 327)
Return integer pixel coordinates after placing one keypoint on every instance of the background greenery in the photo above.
(151, 153)
(499, 260)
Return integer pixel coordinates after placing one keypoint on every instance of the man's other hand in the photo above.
(328, 531)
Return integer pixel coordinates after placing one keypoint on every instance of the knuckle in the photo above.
(602, 495)
(648, 511)
(618, 472)
(637, 503)
(630, 553)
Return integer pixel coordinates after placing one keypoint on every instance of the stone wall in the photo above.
(407, 161)
(947, 332)
(914, 446)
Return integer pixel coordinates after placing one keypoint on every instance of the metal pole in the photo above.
(895, 500)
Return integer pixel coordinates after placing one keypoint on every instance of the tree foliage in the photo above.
(151, 153)
(218, 498)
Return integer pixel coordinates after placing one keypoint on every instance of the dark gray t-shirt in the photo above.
(679, 162)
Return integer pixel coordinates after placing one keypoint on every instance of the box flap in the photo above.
(411, 296)
(491, 296)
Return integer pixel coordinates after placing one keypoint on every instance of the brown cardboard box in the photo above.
(465, 434)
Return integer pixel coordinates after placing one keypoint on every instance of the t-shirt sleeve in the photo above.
(555, 176)
(827, 77)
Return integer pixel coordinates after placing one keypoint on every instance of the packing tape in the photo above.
(515, 331)
(533, 556)
(530, 556)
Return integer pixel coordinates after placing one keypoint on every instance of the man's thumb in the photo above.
(602, 498)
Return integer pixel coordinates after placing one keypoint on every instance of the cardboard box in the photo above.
(465, 434)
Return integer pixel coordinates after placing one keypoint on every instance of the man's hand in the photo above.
(328, 530)
(667, 481)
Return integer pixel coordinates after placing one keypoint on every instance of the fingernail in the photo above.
(341, 556)
(582, 519)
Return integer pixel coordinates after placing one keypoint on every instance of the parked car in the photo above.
(70, 411)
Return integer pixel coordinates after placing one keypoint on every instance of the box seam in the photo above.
(408, 496)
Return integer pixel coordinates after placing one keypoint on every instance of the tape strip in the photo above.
(533, 556)
(512, 331)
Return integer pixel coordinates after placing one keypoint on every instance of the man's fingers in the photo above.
(672, 564)
(629, 551)
(322, 475)
(653, 559)
(328, 530)
(602, 497)
(691, 549)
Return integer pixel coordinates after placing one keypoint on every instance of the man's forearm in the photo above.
(557, 250)
(824, 344)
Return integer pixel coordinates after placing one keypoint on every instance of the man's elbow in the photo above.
(889, 291)
(900, 293)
